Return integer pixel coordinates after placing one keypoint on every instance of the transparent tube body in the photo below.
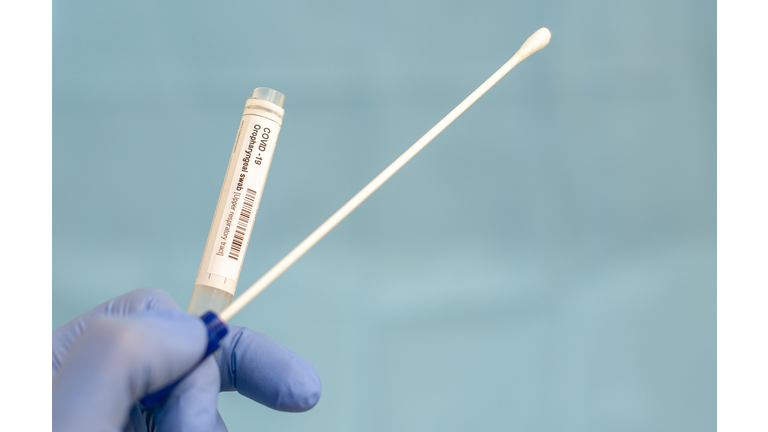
(205, 298)
(238, 202)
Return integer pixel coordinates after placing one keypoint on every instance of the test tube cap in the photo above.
(269, 95)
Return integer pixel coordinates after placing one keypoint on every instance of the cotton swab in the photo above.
(535, 42)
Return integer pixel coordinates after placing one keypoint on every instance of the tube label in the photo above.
(254, 149)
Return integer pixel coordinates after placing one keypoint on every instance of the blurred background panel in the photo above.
(547, 263)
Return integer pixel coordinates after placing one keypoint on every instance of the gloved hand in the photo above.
(110, 357)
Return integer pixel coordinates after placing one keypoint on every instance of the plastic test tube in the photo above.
(238, 202)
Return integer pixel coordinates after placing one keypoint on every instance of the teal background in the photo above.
(546, 264)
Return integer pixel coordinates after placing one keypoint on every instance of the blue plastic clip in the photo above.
(216, 332)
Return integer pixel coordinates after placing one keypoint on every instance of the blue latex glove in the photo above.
(110, 357)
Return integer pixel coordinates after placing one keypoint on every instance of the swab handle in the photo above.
(216, 332)
(535, 42)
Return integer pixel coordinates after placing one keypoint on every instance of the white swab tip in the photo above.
(540, 39)
(535, 42)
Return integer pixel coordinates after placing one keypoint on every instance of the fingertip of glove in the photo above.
(302, 389)
(268, 372)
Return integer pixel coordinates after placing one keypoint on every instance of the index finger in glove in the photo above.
(120, 359)
(127, 304)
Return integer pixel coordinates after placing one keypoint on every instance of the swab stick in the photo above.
(534, 43)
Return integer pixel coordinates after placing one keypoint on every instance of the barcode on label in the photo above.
(242, 224)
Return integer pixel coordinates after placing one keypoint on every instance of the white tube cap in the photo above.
(269, 95)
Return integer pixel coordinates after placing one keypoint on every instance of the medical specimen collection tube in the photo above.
(238, 202)
(213, 288)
